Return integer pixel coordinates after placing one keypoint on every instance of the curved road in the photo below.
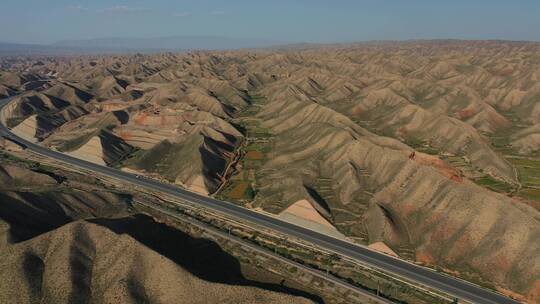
(452, 286)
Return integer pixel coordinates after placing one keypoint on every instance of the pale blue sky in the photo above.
(46, 21)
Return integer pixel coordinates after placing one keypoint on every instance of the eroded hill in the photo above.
(63, 239)
(428, 147)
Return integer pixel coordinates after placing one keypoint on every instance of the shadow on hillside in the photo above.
(201, 257)
(30, 214)
(27, 220)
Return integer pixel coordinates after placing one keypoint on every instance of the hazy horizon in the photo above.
(279, 21)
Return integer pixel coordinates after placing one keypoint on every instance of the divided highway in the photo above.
(455, 287)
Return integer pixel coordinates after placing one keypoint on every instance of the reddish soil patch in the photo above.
(451, 272)
(462, 245)
(434, 218)
(141, 118)
(238, 191)
(124, 135)
(424, 257)
(443, 168)
(534, 293)
(499, 121)
(358, 110)
(441, 233)
(407, 209)
(382, 247)
(466, 113)
(113, 107)
(227, 153)
(402, 132)
(502, 73)
(527, 201)
(511, 294)
(456, 178)
(501, 262)
(254, 155)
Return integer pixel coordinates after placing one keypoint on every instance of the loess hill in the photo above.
(431, 147)
(65, 240)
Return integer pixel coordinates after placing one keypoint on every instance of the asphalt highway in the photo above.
(457, 288)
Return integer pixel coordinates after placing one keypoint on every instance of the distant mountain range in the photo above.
(145, 45)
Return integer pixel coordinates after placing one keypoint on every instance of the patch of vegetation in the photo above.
(249, 111)
(238, 190)
(529, 176)
(525, 162)
(107, 122)
(464, 68)
(429, 150)
(501, 143)
(133, 154)
(528, 168)
(421, 146)
(254, 155)
(414, 142)
(494, 185)
(10, 158)
(14, 121)
(43, 167)
(31, 165)
(75, 143)
(530, 194)
(257, 99)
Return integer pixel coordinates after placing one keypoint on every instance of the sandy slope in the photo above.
(27, 129)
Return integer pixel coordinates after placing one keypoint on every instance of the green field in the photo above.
(528, 168)
(531, 194)
(420, 146)
(528, 171)
(254, 153)
(494, 184)
(238, 190)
